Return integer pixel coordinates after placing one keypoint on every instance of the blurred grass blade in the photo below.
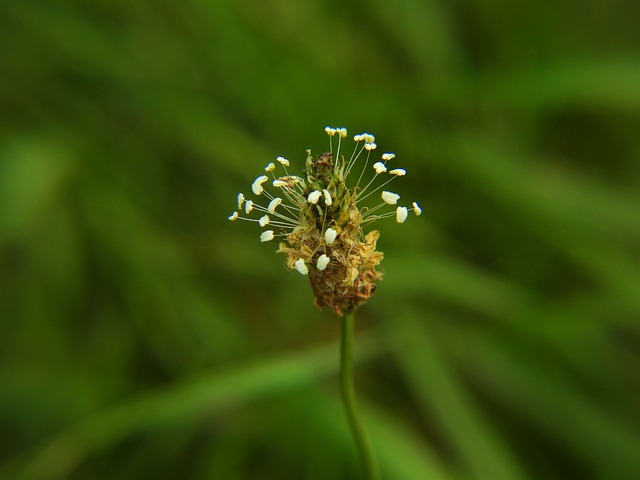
(206, 396)
(444, 401)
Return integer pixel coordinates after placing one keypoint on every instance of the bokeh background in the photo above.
(143, 336)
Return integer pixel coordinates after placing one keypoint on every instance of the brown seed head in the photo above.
(321, 221)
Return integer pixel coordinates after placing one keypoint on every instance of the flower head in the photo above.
(321, 220)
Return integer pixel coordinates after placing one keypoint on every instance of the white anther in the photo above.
(240, 200)
(270, 168)
(283, 161)
(323, 261)
(248, 206)
(314, 196)
(390, 198)
(264, 220)
(369, 138)
(273, 204)
(233, 217)
(398, 171)
(416, 209)
(330, 131)
(330, 236)
(266, 236)
(388, 156)
(327, 197)
(257, 184)
(379, 167)
(358, 138)
(370, 146)
(342, 132)
(279, 183)
(401, 214)
(301, 267)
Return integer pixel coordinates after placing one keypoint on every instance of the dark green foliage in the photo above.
(143, 336)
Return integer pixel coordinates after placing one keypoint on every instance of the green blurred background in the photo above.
(143, 336)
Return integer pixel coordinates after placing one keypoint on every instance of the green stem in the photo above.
(369, 466)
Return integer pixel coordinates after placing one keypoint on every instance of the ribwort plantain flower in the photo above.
(321, 220)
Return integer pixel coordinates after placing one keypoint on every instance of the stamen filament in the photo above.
(363, 169)
(373, 191)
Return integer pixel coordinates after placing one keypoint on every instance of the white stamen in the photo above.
(314, 196)
(294, 188)
(273, 204)
(379, 167)
(266, 236)
(327, 197)
(283, 161)
(257, 184)
(390, 198)
(301, 267)
(330, 236)
(323, 261)
(401, 214)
